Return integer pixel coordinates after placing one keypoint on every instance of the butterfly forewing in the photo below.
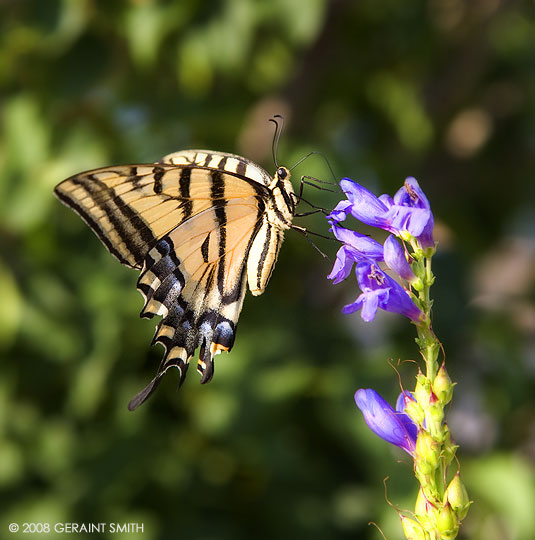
(199, 225)
(231, 163)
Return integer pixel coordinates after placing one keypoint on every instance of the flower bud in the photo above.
(442, 385)
(421, 503)
(427, 455)
(457, 496)
(436, 409)
(412, 529)
(422, 389)
(417, 284)
(415, 411)
(424, 508)
(447, 523)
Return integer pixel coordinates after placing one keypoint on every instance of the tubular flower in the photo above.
(408, 212)
(355, 247)
(396, 260)
(394, 426)
(379, 290)
(412, 196)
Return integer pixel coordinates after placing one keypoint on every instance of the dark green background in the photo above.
(274, 446)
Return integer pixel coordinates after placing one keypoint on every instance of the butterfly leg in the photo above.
(305, 233)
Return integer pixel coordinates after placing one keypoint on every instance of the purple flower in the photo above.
(396, 260)
(339, 212)
(356, 247)
(394, 426)
(409, 210)
(363, 205)
(412, 196)
(380, 291)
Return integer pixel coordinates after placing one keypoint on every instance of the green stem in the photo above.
(427, 341)
(435, 447)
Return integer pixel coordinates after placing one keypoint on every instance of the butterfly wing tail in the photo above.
(179, 362)
(142, 396)
(210, 325)
(215, 339)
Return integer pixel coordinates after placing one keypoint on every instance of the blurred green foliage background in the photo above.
(274, 446)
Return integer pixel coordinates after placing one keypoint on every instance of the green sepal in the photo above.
(427, 453)
(425, 510)
(422, 389)
(415, 411)
(412, 529)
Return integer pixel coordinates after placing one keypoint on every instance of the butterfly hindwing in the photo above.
(198, 225)
(195, 278)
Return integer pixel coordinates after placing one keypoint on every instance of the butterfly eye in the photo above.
(282, 173)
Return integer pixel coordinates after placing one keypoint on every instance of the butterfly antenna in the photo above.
(314, 152)
(305, 180)
(276, 136)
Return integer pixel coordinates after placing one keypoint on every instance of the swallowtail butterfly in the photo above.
(199, 225)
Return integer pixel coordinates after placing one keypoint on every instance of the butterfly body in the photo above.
(199, 225)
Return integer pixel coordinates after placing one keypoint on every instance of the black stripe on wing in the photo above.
(92, 224)
(218, 194)
(131, 229)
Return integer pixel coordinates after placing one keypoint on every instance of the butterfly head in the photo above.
(283, 193)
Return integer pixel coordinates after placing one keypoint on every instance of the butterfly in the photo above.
(199, 225)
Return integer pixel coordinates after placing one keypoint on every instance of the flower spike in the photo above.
(417, 423)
